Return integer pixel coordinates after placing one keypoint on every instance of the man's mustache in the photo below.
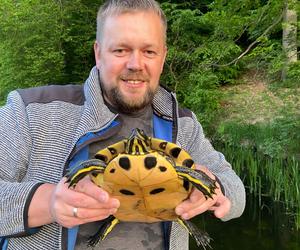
(137, 76)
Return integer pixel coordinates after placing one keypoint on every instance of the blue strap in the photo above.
(166, 225)
(163, 129)
(81, 155)
(72, 235)
(3, 243)
(92, 135)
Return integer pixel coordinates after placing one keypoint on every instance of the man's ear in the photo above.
(97, 54)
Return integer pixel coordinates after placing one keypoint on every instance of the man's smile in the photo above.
(134, 82)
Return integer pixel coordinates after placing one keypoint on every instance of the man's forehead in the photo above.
(122, 28)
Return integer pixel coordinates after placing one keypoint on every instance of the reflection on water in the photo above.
(265, 227)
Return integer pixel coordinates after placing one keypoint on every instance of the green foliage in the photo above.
(52, 42)
(30, 47)
(193, 52)
(79, 37)
(43, 42)
(293, 75)
(279, 138)
(274, 177)
(210, 44)
(256, 27)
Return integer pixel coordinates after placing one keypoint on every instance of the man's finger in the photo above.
(222, 208)
(88, 214)
(89, 188)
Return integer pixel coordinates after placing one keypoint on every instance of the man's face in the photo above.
(130, 58)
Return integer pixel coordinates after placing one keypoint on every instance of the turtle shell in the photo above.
(147, 186)
(149, 176)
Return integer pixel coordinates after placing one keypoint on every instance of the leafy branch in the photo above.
(234, 61)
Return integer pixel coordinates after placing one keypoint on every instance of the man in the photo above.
(44, 131)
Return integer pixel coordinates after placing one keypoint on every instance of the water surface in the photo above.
(261, 227)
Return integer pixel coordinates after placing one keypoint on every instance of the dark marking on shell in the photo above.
(162, 169)
(126, 192)
(124, 163)
(175, 152)
(101, 157)
(186, 185)
(157, 191)
(112, 150)
(150, 162)
(95, 174)
(163, 145)
(188, 163)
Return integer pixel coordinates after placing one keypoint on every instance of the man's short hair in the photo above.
(117, 7)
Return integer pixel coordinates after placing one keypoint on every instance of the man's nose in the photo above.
(135, 62)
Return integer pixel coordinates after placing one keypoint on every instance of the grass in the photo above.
(266, 176)
(258, 131)
(251, 100)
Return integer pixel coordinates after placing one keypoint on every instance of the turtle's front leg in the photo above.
(93, 167)
(199, 180)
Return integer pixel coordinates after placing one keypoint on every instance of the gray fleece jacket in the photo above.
(39, 128)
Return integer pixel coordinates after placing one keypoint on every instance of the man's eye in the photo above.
(119, 52)
(150, 53)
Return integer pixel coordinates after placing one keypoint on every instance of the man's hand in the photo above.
(197, 203)
(92, 203)
(56, 203)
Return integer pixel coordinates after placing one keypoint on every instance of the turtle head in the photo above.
(138, 143)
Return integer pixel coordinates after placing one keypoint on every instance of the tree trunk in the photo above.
(289, 36)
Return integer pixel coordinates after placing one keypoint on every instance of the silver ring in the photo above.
(75, 211)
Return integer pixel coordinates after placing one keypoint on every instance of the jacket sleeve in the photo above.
(203, 153)
(15, 146)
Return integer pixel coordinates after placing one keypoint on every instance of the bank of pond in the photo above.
(271, 220)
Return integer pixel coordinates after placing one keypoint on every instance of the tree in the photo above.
(212, 47)
(289, 35)
(30, 44)
(45, 42)
(79, 36)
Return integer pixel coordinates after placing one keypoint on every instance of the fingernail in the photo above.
(103, 197)
(179, 210)
(116, 203)
(185, 216)
(113, 210)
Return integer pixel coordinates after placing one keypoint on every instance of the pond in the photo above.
(261, 227)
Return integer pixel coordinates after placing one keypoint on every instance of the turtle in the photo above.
(150, 177)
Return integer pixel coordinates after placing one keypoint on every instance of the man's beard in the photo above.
(124, 105)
